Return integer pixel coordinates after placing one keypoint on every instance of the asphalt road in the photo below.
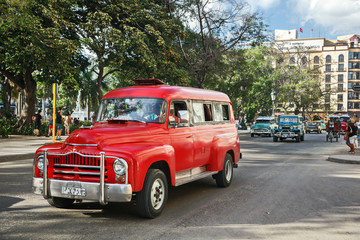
(284, 190)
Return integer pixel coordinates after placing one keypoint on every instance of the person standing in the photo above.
(37, 123)
(59, 119)
(67, 123)
(51, 122)
(352, 131)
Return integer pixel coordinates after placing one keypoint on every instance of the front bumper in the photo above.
(260, 131)
(286, 134)
(92, 191)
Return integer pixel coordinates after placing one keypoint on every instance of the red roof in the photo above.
(168, 92)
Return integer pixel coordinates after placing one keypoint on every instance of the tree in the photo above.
(35, 46)
(128, 36)
(213, 27)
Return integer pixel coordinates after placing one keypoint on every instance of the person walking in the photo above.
(59, 119)
(67, 123)
(37, 123)
(352, 132)
(51, 122)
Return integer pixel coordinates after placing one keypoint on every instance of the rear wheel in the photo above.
(297, 138)
(302, 137)
(151, 200)
(275, 139)
(252, 135)
(224, 177)
(60, 202)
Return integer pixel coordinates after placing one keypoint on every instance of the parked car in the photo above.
(145, 138)
(312, 127)
(322, 124)
(262, 126)
(289, 126)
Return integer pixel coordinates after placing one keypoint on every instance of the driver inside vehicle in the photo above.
(152, 114)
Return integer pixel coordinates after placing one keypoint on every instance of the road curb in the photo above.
(344, 159)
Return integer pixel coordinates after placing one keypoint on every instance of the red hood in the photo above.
(108, 134)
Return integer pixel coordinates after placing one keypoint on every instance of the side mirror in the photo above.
(184, 116)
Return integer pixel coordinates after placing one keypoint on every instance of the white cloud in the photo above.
(263, 4)
(340, 16)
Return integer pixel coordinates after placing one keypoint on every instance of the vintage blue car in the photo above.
(289, 126)
(262, 126)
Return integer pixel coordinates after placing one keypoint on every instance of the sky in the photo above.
(317, 18)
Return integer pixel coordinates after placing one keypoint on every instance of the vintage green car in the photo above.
(262, 126)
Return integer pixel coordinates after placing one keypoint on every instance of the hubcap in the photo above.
(228, 172)
(157, 194)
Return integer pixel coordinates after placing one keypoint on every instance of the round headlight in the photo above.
(291, 127)
(119, 166)
(280, 127)
(40, 162)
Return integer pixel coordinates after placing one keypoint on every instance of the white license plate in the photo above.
(74, 191)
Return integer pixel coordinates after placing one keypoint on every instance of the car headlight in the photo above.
(40, 163)
(280, 127)
(120, 166)
(291, 127)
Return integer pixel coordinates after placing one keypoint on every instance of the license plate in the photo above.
(74, 191)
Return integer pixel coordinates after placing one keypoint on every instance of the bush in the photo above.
(5, 127)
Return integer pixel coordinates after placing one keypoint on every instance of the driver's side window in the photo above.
(179, 114)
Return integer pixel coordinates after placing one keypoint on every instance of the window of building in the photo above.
(292, 60)
(341, 67)
(341, 78)
(303, 61)
(341, 58)
(340, 107)
(327, 87)
(354, 65)
(340, 97)
(327, 78)
(316, 67)
(316, 59)
(328, 67)
(340, 87)
(328, 59)
(316, 106)
(327, 98)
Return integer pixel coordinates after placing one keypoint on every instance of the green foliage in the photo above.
(6, 126)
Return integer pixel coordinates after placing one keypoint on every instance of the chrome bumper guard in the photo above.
(101, 192)
(287, 134)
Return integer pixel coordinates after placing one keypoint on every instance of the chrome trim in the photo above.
(72, 172)
(102, 179)
(85, 145)
(45, 179)
(113, 192)
(80, 166)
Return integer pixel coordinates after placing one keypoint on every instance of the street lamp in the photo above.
(273, 102)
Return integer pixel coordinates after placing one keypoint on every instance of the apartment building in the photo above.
(336, 63)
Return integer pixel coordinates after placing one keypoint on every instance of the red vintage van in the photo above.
(145, 138)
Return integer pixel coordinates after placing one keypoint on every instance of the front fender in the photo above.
(143, 156)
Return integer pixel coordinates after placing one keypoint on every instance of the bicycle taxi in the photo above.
(333, 128)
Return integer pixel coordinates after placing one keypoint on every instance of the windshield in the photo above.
(133, 109)
(262, 121)
(288, 120)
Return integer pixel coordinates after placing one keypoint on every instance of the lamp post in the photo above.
(273, 102)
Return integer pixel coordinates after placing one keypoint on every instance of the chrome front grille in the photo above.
(77, 166)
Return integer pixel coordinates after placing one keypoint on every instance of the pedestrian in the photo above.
(67, 123)
(58, 120)
(37, 123)
(352, 132)
(50, 125)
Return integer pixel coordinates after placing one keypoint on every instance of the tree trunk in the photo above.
(88, 108)
(29, 100)
(6, 97)
(99, 82)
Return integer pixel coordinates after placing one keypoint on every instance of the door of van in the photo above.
(182, 138)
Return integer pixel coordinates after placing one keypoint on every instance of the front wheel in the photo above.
(224, 177)
(151, 200)
(275, 139)
(60, 202)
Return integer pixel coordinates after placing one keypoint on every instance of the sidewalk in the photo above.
(18, 147)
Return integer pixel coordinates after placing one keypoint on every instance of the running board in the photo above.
(192, 175)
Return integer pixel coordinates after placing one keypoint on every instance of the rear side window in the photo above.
(221, 112)
(198, 111)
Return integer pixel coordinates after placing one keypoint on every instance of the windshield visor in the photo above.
(151, 110)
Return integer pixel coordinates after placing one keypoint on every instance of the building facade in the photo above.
(336, 63)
